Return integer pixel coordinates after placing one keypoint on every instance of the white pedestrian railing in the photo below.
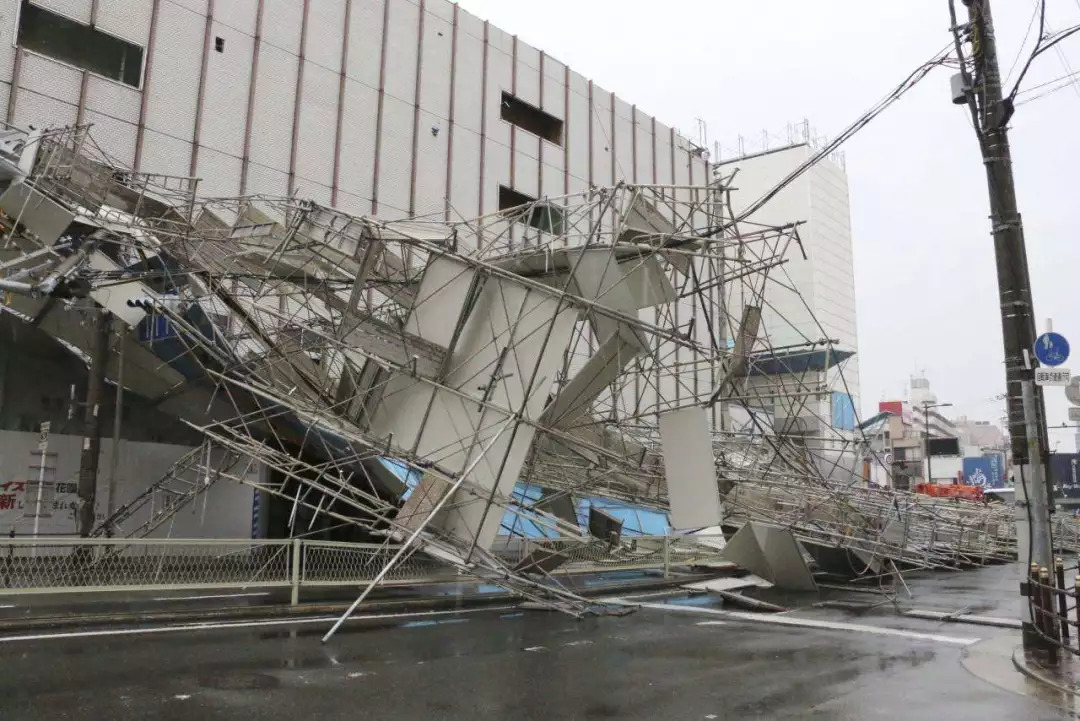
(106, 565)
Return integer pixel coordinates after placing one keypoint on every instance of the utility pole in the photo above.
(991, 112)
(91, 447)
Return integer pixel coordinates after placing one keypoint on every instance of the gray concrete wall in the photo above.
(225, 511)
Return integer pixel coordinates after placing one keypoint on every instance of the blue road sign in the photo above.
(1051, 349)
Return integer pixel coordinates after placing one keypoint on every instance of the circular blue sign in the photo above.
(1051, 349)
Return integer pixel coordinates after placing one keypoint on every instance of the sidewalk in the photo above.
(1063, 676)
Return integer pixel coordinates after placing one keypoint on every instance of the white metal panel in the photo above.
(310, 190)
(282, 21)
(365, 41)
(325, 28)
(527, 172)
(441, 9)
(663, 155)
(624, 141)
(51, 78)
(435, 76)
(127, 20)
(554, 80)
(170, 156)
(602, 136)
(174, 86)
(501, 40)
(197, 6)
(272, 121)
(42, 111)
(352, 204)
(528, 73)
(113, 136)
(239, 15)
(553, 178)
(318, 122)
(7, 47)
(358, 141)
(643, 133)
(265, 180)
(468, 90)
(112, 98)
(496, 172)
(219, 173)
(500, 78)
(576, 135)
(402, 46)
(225, 97)
(465, 175)
(395, 158)
(440, 300)
(74, 9)
(528, 145)
(431, 157)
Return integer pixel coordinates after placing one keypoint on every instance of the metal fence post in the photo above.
(295, 575)
(667, 556)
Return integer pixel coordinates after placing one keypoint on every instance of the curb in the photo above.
(439, 603)
(1021, 664)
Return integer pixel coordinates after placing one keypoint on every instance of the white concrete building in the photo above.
(821, 305)
(385, 107)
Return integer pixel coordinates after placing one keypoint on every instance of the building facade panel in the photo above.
(172, 94)
(325, 33)
(127, 20)
(365, 41)
(402, 46)
(282, 22)
(318, 123)
(395, 158)
(272, 118)
(219, 173)
(355, 172)
(169, 155)
(225, 95)
(113, 99)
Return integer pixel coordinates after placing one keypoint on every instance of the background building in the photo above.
(820, 305)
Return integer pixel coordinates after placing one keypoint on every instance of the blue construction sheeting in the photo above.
(409, 476)
(800, 361)
(637, 521)
(843, 412)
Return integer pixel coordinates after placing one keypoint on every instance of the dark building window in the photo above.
(219, 44)
(542, 216)
(532, 119)
(80, 45)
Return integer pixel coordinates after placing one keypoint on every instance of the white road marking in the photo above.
(8, 605)
(536, 648)
(197, 598)
(583, 642)
(711, 623)
(231, 625)
(358, 674)
(811, 623)
(182, 696)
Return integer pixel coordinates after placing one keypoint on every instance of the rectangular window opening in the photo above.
(531, 119)
(68, 41)
(542, 216)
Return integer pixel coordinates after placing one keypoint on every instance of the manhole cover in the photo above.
(240, 682)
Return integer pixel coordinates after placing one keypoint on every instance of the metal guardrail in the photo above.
(107, 565)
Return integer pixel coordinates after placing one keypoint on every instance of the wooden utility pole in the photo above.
(991, 112)
(91, 446)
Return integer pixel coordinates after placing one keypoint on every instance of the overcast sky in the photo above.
(924, 261)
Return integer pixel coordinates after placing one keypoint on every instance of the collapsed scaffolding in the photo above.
(407, 379)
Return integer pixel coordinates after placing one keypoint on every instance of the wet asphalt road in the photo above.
(508, 664)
